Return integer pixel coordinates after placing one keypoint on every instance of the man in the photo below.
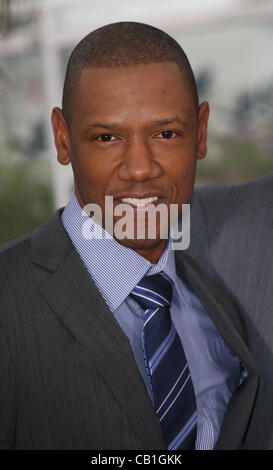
(232, 240)
(119, 343)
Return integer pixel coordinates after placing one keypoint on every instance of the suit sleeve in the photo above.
(7, 396)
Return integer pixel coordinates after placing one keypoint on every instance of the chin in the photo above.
(146, 245)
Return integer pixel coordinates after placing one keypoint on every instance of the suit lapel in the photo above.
(199, 246)
(72, 294)
(225, 316)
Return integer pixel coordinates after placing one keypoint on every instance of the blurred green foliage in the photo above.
(233, 159)
(25, 194)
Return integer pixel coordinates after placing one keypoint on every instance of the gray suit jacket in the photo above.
(232, 240)
(68, 378)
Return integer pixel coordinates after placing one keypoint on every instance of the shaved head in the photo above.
(120, 45)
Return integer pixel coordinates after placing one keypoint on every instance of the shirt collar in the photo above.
(115, 269)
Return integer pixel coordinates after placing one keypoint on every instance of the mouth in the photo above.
(140, 203)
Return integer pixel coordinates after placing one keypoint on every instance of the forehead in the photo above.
(135, 91)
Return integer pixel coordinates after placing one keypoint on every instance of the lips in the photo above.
(139, 201)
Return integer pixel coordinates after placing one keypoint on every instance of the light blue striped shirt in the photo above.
(116, 270)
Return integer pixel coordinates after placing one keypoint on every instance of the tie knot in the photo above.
(153, 291)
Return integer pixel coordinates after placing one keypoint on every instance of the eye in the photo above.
(168, 134)
(105, 138)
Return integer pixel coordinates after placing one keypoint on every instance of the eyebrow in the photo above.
(169, 121)
(99, 124)
(114, 125)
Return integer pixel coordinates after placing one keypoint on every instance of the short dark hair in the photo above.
(123, 44)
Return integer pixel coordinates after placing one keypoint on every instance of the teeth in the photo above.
(139, 202)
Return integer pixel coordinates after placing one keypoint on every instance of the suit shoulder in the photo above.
(26, 259)
(231, 193)
(15, 243)
(246, 202)
(14, 256)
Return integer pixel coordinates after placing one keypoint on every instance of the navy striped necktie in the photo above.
(172, 389)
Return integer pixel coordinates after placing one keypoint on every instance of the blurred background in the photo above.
(228, 42)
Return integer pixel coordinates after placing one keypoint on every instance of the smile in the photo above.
(138, 201)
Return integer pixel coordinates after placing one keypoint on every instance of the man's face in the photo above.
(134, 133)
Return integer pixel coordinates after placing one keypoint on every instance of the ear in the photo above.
(61, 136)
(202, 129)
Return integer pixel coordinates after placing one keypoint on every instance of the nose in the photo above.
(138, 162)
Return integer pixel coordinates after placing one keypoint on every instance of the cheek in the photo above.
(90, 179)
(182, 176)
(182, 168)
(89, 169)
